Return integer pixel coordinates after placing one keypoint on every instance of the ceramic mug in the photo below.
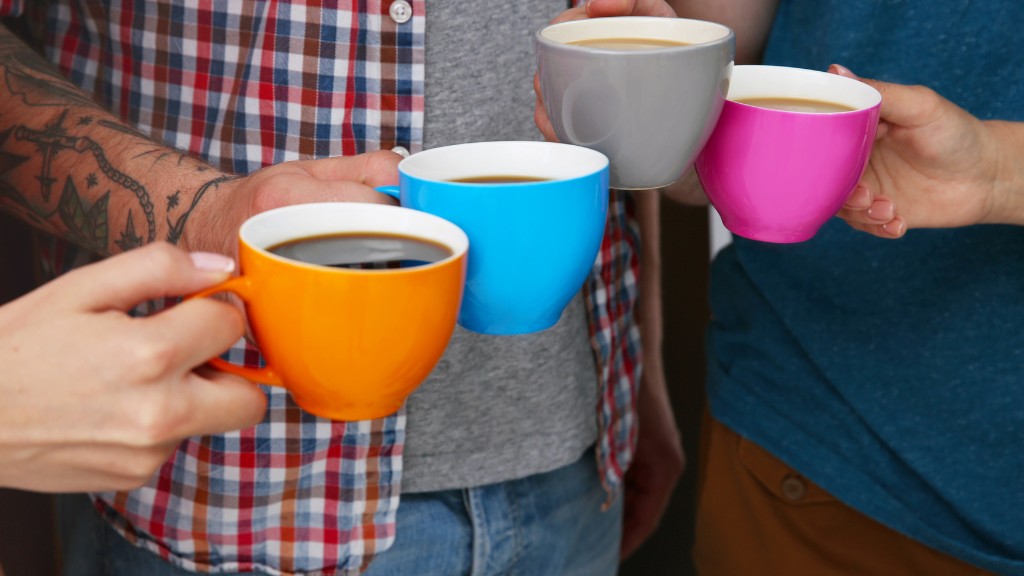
(649, 110)
(348, 344)
(533, 241)
(779, 175)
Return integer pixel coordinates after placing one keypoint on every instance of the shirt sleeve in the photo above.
(11, 8)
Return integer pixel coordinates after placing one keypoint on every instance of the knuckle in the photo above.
(137, 470)
(162, 257)
(151, 359)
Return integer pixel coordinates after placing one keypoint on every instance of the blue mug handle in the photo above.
(393, 191)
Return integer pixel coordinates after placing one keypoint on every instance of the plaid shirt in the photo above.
(246, 84)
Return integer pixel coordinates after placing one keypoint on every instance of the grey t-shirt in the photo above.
(495, 408)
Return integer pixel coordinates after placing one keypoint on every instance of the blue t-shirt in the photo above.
(891, 372)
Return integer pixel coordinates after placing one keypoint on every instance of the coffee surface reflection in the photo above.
(362, 251)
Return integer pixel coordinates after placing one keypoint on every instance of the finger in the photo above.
(882, 210)
(342, 191)
(188, 334)
(220, 402)
(894, 229)
(540, 114)
(575, 13)
(889, 230)
(155, 271)
(98, 467)
(603, 8)
(901, 105)
(370, 169)
(857, 216)
(860, 199)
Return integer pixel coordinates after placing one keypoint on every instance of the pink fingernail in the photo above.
(212, 262)
(843, 71)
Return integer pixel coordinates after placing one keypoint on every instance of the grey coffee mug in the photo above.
(650, 110)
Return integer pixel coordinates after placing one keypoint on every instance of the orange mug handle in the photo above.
(240, 286)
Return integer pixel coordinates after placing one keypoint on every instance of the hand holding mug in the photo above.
(95, 399)
(934, 165)
(787, 151)
(227, 203)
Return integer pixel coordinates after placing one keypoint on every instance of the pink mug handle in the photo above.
(241, 287)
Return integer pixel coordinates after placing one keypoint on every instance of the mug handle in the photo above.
(393, 191)
(240, 286)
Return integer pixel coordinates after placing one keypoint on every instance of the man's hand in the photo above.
(338, 179)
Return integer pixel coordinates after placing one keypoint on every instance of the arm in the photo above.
(750, 20)
(659, 460)
(70, 168)
(934, 165)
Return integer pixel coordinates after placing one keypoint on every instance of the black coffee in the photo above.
(498, 179)
(628, 43)
(362, 251)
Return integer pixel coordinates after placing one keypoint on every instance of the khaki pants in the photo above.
(756, 515)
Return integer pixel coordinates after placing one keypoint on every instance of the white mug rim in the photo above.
(529, 159)
(795, 83)
(626, 27)
(321, 218)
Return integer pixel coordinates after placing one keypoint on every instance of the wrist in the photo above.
(202, 223)
(1008, 172)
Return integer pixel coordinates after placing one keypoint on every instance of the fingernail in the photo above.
(896, 228)
(212, 262)
(841, 70)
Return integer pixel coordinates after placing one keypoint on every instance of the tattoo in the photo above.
(53, 140)
(86, 225)
(79, 192)
(129, 239)
(175, 228)
(34, 80)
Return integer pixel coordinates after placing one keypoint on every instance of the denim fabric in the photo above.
(545, 524)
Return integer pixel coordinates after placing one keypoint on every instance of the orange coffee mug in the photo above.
(348, 343)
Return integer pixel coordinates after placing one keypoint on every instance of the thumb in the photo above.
(901, 104)
(602, 8)
(158, 270)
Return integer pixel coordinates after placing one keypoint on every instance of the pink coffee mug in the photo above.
(778, 175)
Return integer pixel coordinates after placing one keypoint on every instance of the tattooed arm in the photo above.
(70, 168)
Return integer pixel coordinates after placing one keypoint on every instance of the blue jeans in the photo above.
(545, 524)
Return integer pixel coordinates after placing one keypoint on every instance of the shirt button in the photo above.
(401, 151)
(793, 487)
(400, 11)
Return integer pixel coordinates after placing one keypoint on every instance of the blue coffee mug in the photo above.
(534, 213)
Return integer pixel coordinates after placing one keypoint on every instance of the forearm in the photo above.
(1009, 184)
(650, 308)
(74, 170)
(750, 20)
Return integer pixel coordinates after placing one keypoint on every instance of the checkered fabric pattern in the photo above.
(249, 84)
